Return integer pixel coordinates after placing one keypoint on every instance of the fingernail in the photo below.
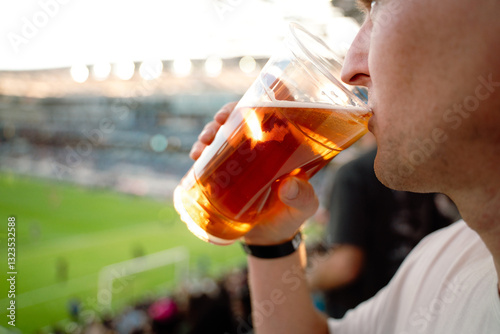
(290, 189)
(193, 152)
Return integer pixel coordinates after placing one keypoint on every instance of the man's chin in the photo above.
(395, 175)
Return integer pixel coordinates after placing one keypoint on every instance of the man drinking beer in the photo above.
(432, 69)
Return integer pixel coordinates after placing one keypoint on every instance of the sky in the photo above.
(36, 34)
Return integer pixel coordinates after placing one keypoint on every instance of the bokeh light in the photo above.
(101, 71)
(158, 143)
(248, 64)
(174, 143)
(79, 73)
(213, 66)
(124, 70)
(182, 67)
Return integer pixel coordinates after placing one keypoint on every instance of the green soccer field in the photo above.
(66, 234)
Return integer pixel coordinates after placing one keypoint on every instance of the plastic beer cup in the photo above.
(293, 120)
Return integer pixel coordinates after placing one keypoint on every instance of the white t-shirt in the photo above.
(447, 285)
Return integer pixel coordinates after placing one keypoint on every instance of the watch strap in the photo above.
(274, 251)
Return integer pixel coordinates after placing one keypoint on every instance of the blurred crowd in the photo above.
(203, 305)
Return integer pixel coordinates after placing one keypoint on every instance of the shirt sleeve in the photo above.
(363, 319)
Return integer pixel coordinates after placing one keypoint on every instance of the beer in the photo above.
(232, 181)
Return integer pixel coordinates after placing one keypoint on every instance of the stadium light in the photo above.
(124, 70)
(79, 73)
(247, 64)
(213, 66)
(101, 71)
(182, 67)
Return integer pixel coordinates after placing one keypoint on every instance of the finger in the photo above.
(224, 112)
(196, 150)
(209, 132)
(207, 136)
(299, 194)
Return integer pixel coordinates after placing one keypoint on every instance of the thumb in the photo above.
(299, 194)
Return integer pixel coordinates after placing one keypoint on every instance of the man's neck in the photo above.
(481, 211)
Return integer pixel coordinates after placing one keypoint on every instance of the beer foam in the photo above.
(293, 104)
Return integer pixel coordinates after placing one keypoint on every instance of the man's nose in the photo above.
(355, 70)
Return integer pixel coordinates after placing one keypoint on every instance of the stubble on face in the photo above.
(424, 60)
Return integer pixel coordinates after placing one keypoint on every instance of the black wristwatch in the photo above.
(274, 251)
